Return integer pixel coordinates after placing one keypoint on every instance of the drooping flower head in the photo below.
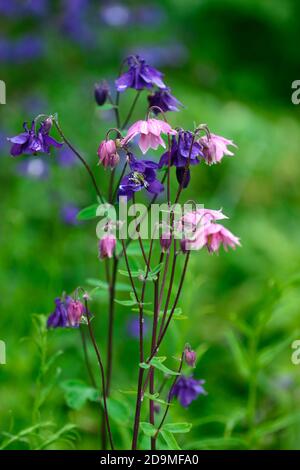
(187, 389)
(75, 311)
(215, 148)
(33, 142)
(139, 75)
(164, 100)
(68, 313)
(107, 246)
(141, 176)
(108, 155)
(189, 356)
(182, 152)
(150, 133)
(204, 232)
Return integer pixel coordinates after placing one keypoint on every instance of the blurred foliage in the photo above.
(232, 64)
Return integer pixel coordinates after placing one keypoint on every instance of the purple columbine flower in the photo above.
(32, 141)
(187, 389)
(67, 313)
(59, 318)
(142, 176)
(164, 100)
(180, 154)
(139, 76)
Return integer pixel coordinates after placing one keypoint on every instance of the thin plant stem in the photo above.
(169, 399)
(101, 374)
(169, 289)
(131, 109)
(141, 354)
(112, 289)
(119, 182)
(86, 358)
(152, 371)
(83, 161)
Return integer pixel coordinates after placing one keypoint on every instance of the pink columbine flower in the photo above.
(108, 155)
(150, 133)
(107, 245)
(202, 216)
(75, 311)
(212, 236)
(215, 147)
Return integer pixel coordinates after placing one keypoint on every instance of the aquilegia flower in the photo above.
(139, 76)
(32, 141)
(142, 176)
(181, 153)
(67, 313)
(211, 236)
(107, 153)
(215, 147)
(187, 389)
(164, 100)
(107, 246)
(150, 133)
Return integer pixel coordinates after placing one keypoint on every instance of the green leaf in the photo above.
(117, 410)
(157, 363)
(156, 398)
(120, 286)
(107, 107)
(169, 440)
(148, 429)
(144, 365)
(126, 303)
(77, 393)
(178, 427)
(88, 212)
(222, 443)
(133, 273)
(238, 354)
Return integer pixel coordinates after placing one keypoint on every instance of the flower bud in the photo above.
(75, 311)
(107, 245)
(107, 153)
(189, 356)
(165, 241)
(101, 91)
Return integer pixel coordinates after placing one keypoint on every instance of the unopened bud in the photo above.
(189, 356)
(101, 91)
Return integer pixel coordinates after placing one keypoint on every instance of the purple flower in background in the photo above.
(169, 55)
(133, 327)
(27, 48)
(149, 15)
(76, 22)
(66, 158)
(142, 175)
(164, 100)
(181, 152)
(32, 142)
(115, 14)
(35, 168)
(187, 389)
(139, 76)
(69, 214)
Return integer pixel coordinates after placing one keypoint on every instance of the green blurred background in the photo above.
(231, 63)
